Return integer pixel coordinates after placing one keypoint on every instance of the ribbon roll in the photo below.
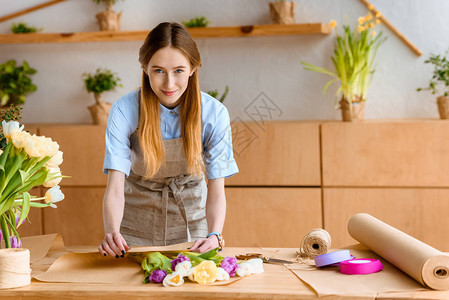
(332, 258)
(360, 266)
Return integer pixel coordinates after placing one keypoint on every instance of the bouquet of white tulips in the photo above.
(26, 162)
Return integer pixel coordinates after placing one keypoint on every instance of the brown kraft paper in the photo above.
(420, 261)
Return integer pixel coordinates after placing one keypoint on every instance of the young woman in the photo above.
(160, 140)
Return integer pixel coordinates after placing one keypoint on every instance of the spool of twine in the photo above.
(316, 242)
(14, 268)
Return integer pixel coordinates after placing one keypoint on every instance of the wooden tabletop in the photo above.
(277, 282)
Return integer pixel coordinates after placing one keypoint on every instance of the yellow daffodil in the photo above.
(361, 20)
(360, 28)
(372, 25)
(378, 21)
(333, 23)
(206, 272)
(373, 34)
(370, 7)
(378, 14)
(368, 17)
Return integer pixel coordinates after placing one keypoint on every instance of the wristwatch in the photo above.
(221, 241)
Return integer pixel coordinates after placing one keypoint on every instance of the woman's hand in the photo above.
(204, 245)
(113, 244)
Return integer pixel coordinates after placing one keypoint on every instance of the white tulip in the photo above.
(55, 161)
(32, 146)
(222, 274)
(183, 267)
(256, 265)
(48, 147)
(11, 127)
(244, 269)
(173, 279)
(54, 195)
(53, 182)
(20, 138)
(190, 274)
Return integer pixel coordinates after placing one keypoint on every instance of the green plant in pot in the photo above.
(282, 12)
(200, 21)
(214, 93)
(353, 59)
(15, 85)
(23, 28)
(440, 77)
(103, 80)
(108, 20)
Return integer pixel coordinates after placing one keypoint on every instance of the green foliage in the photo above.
(440, 73)
(11, 113)
(15, 83)
(196, 22)
(23, 28)
(101, 81)
(214, 93)
(353, 59)
(106, 1)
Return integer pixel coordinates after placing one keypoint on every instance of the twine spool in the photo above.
(14, 268)
(316, 242)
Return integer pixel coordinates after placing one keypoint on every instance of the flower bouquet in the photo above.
(27, 161)
(171, 268)
(353, 59)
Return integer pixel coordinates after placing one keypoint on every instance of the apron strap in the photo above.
(173, 184)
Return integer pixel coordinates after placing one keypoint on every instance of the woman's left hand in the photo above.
(204, 245)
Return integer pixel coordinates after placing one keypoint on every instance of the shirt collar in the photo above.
(166, 111)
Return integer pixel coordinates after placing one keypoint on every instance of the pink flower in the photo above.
(157, 276)
(229, 263)
(15, 242)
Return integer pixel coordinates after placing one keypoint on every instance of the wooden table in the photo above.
(277, 282)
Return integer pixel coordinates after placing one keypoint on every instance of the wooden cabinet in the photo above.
(270, 217)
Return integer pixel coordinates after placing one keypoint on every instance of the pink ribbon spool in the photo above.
(360, 266)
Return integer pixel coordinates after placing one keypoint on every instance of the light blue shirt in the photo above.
(216, 134)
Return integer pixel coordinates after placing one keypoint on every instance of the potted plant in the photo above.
(353, 60)
(108, 20)
(440, 77)
(282, 12)
(23, 28)
(200, 21)
(101, 81)
(214, 93)
(15, 84)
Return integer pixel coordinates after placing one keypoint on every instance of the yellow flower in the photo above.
(206, 272)
(370, 7)
(373, 33)
(372, 25)
(360, 28)
(333, 23)
(378, 21)
(361, 20)
(378, 14)
(368, 17)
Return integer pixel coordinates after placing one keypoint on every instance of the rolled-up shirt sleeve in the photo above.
(118, 153)
(218, 156)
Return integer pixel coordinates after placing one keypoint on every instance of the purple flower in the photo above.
(15, 242)
(17, 220)
(1, 236)
(157, 276)
(229, 263)
(178, 260)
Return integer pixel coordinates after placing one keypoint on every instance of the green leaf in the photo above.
(5, 231)
(25, 208)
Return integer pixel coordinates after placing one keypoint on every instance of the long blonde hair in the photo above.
(174, 35)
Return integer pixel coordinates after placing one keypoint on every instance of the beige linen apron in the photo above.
(168, 209)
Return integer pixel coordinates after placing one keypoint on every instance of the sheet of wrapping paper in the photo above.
(329, 280)
(87, 265)
(422, 262)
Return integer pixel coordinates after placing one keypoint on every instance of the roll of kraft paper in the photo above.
(420, 261)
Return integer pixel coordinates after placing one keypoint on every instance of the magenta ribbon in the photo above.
(360, 266)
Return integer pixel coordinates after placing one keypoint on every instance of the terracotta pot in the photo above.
(100, 110)
(282, 12)
(443, 107)
(357, 113)
(109, 20)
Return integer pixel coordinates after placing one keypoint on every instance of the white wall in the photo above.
(248, 66)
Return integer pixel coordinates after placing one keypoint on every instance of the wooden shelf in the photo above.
(205, 32)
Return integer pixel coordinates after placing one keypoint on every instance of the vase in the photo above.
(109, 20)
(356, 114)
(100, 110)
(283, 12)
(443, 107)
